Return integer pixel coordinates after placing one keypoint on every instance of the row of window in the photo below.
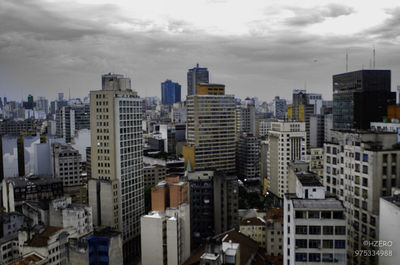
(316, 230)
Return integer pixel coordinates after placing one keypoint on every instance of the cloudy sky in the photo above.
(257, 48)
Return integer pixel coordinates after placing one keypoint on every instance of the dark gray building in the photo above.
(195, 76)
(361, 97)
(213, 204)
(65, 123)
(248, 157)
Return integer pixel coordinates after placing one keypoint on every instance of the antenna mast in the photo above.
(373, 60)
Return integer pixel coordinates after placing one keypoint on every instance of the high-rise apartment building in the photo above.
(360, 167)
(286, 142)
(65, 123)
(314, 226)
(304, 105)
(246, 118)
(213, 204)
(248, 158)
(210, 129)
(279, 108)
(196, 76)
(361, 97)
(116, 189)
(170, 92)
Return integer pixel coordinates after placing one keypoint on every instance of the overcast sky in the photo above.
(256, 47)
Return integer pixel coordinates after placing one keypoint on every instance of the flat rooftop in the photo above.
(329, 203)
(308, 179)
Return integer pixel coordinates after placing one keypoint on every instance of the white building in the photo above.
(314, 226)
(359, 168)
(389, 229)
(286, 142)
(166, 236)
(385, 127)
(63, 213)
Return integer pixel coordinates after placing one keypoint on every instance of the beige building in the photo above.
(255, 229)
(274, 232)
(210, 129)
(166, 229)
(286, 142)
(317, 161)
(116, 186)
(154, 174)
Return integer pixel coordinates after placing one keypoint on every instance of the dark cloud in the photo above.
(307, 16)
(48, 48)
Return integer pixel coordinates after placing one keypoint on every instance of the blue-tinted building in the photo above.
(170, 92)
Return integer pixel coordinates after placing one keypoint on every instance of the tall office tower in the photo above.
(65, 123)
(165, 231)
(210, 129)
(170, 92)
(116, 189)
(286, 142)
(42, 104)
(314, 226)
(246, 118)
(304, 105)
(248, 158)
(360, 167)
(361, 97)
(196, 76)
(279, 108)
(317, 130)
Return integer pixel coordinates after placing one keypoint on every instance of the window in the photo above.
(327, 257)
(327, 243)
(326, 214)
(301, 243)
(314, 230)
(365, 169)
(313, 214)
(340, 243)
(301, 256)
(338, 215)
(365, 182)
(314, 243)
(340, 230)
(328, 230)
(314, 257)
(301, 229)
(357, 157)
(300, 214)
(365, 157)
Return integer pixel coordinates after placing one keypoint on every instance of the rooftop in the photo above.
(275, 214)
(393, 199)
(28, 260)
(328, 203)
(308, 179)
(252, 221)
(41, 239)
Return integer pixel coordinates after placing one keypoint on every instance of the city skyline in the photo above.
(48, 46)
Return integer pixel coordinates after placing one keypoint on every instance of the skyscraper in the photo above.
(210, 129)
(116, 188)
(361, 97)
(196, 76)
(170, 92)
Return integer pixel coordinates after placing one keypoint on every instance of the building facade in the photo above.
(116, 190)
(195, 76)
(170, 92)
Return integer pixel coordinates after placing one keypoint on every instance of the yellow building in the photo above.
(255, 229)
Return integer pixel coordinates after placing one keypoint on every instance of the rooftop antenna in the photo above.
(373, 56)
(347, 61)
